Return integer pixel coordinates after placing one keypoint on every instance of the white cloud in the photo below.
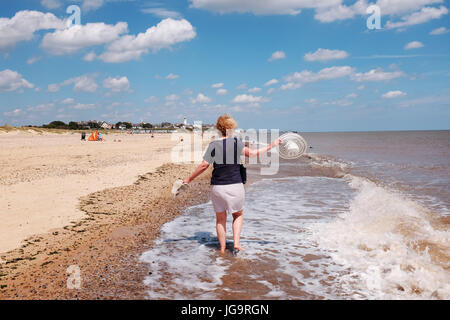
(248, 98)
(23, 25)
(172, 97)
(151, 99)
(43, 107)
(14, 113)
(117, 84)
(258, 7)
(201, 98)
(92, 4)
(221, 92)
(271, 90)
(172, 76)
(11, 81)
(162, 12)
(351, 96)
(424, 15)
(84, 83)
(393, 94)
(164, 35)
(78, 37)
(51, 4)
(414, 45)
(311, 101)
(217, 85)
(297, 79)
(254, 90)
(325, 55)
(90, 56)
(439, 31)
(361, 87)
(377, 75)
(68, 101)
(33, 60)
(325, 10)
(277, 55)
(270, 82)
(242, 86)
(333, 13)
(82, 106)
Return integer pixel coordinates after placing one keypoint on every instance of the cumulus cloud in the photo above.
(201, 98)
(162, 12)
(84, 106)
(297, 79)
(277, 55)
(413, 45)
(90, 56)
(84, 83)
(377, 75)
(329, 10)
(88, 5)
(254, 90)
(248, 98)
(217, 85)
(270, 82)
(172, 76)
(393, 94)
(78, 37)
(424, 15)
(164, 35)
(325, 55)
(68, 101)
(13, 113)
(23, 25)
(221, 92)
(119, 84)
(172, 97)
(51, 4)
(11, 81)
(33, 60)
(439, 31)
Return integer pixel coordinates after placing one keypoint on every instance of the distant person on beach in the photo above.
(227, 188)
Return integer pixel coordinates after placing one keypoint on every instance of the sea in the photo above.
(361, 215)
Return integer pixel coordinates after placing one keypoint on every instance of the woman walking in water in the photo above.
(227, 188)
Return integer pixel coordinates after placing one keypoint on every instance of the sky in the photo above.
(305, 65)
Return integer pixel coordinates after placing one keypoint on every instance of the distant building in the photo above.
(185, 122)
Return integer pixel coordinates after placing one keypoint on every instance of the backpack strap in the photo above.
(224, 151)
(235, 151)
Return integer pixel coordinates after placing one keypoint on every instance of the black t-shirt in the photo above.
(226, 164)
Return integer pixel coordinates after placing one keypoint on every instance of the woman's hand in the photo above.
(276, 142)
(186, 181)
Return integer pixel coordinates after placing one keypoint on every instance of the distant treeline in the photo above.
(90, 125)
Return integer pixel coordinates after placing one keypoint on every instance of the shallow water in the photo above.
(352, 220)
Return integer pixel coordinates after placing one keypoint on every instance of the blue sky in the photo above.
(288, 64)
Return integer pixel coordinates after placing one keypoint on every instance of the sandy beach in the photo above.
(91, 204)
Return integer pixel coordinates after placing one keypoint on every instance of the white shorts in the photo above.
(228, 197)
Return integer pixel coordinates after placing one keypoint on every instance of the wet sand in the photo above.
(103, 232)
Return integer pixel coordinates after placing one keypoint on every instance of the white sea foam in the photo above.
(378, 240)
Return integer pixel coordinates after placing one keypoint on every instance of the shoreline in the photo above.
(120, 224)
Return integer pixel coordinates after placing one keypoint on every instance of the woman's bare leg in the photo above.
(238, 217)
(221, 228)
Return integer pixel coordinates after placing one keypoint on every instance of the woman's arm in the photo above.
(200, 169)
(256, 152)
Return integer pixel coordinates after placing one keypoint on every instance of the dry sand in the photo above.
(97, 205)
(42, 177)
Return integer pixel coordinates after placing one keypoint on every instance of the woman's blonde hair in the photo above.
(224, 123)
